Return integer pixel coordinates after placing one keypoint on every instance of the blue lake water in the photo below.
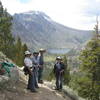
(58, 51)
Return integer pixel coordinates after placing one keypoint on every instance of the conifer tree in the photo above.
(6, 38)
(24, 48)
(89, 83)
(67, 71)
(18, 52)
(11, 48)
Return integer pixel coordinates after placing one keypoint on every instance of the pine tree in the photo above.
(11, 48)
(67, 72)
(6, 38)
(89, 83)
(18, 52)
(24, 48)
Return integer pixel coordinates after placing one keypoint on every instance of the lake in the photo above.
(58, 51)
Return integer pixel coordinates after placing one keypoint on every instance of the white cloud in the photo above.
(72, 13)
(15, 6)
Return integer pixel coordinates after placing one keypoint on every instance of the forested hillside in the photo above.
(13, 48)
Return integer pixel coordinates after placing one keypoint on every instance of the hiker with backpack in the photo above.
(28, 68)
(41, 65)
(59, 68)
(36, 67)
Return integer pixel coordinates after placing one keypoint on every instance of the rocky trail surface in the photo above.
(14, 87)
(19, 92)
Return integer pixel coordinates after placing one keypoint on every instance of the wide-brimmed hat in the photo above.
(27, 53)
(35, 52)
(58, 58)
(42, 50)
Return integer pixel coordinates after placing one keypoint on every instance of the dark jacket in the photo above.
(41, 60)
(58, 70)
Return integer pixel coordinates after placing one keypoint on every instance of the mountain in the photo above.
(39, 31)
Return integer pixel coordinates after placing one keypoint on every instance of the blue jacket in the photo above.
(41, 60)
(58, 69)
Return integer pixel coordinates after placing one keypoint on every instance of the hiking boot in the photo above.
(28, 88)
(40, 81)
(56, 88)
(36, 86)
(60, 90)
(34, 91)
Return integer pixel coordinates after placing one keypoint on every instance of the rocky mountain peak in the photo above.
(38, 30)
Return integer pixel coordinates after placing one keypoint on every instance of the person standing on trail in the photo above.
(29, 66)
(59, 68)
(36, 67)
(41, 65)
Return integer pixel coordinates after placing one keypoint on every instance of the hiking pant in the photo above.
(40, 73)
(59, 81)
(36, 76)
(31, 82)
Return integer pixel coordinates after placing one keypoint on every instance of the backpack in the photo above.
(26, 71)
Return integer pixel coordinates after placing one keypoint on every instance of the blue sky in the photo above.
(79, 14)
(24, 1)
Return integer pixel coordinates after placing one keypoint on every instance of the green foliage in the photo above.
(89, 83)
(49, 63)
(51, 76)
(67, 72)
(19, 52)
(73, 82)
(13, 50)
(88, 89)
(6, 38)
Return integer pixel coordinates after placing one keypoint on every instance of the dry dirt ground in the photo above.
(20, 93)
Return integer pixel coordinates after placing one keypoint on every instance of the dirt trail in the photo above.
(20, 93)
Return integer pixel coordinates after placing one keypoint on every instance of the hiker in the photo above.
(29, 66)
(36, 67)
(59, 68)
(41, 65)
